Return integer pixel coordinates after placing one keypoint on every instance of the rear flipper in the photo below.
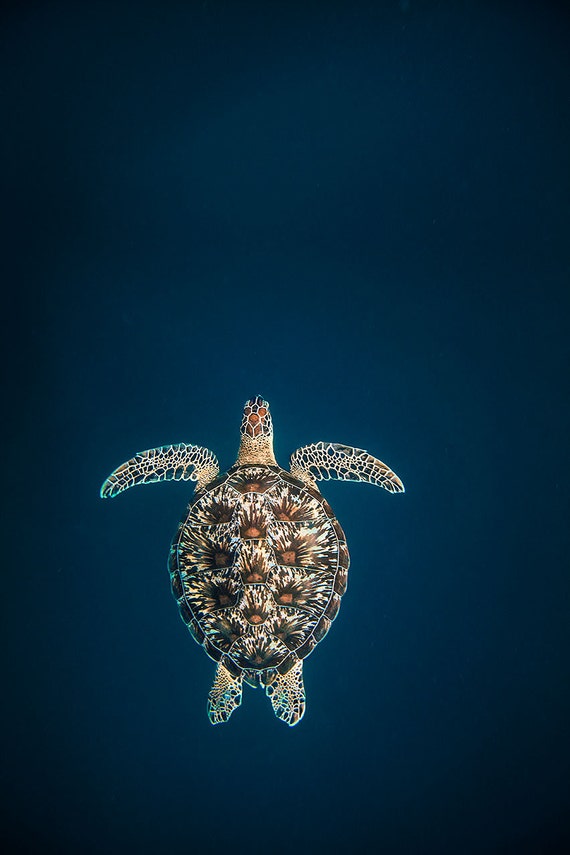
(225, 695)
(287, 695)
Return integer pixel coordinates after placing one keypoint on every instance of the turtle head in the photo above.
(256, 418)
(256, 433)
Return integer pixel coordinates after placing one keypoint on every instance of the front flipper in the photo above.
(325, 460)
(225, 695)
(169, 463)
(287, 695)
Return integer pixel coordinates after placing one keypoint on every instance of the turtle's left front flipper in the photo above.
(169, 463)
(325, 460)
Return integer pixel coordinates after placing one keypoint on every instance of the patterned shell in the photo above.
(258, 567)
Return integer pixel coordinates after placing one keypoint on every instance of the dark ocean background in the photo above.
(361, 212)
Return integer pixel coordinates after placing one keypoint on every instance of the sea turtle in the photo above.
(259, 562)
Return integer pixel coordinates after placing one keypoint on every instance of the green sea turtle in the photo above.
(259, 562)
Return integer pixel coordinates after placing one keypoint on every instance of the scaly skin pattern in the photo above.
(180, 462)
(325, 460)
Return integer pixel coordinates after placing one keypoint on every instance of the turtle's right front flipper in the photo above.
(169, 463)
(325, 460)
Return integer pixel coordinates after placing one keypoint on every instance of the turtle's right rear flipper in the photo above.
(287, 695)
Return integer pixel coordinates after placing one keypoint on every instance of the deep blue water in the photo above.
(359, 211)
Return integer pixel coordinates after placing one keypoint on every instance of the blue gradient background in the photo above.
(359, 211)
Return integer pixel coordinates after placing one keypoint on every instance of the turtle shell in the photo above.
(258, 566)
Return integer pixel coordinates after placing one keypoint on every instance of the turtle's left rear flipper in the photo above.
(168, 463)
(225, 695)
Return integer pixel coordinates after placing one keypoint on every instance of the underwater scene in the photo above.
(286, 414)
